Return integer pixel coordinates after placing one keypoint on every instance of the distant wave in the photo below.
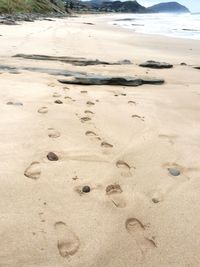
(176, 25)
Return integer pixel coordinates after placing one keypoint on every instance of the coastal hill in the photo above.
(126, 7)
(32, 6)
(61, 6)
(168, 7)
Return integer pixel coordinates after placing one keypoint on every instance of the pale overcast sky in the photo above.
(193, 5)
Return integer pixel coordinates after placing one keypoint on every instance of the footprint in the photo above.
(113, 191)
(52, 133)
(122, 164)
(84, 119)
(43, 110)
(56, 95)
(88, 112)
(132, 102)
(68, 243)
(169, 138)
(106, 145)
(67, 97)
(139, 117)
(33, 171)
(137, 229)
(90, 133)
(84, 92)
(113, 188)
(125, 168)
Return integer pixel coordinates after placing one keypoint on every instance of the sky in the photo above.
(193, 5)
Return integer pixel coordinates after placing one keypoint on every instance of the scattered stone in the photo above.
(174, 171)
(43, 110)
(15, 103)
(156, 65)
(90, 103)
(197, 67)
(155, 200)
(52, 156)
(86, 189)
(88, 23)
(83, 119)
(58, 101)
(124, 62)
(183, 64)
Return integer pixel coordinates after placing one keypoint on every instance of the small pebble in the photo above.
(86, 189)
(155, 200)
(58, 101)
(174, 171)
(52, 156)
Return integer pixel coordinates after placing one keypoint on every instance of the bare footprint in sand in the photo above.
(43, 110)
(91, 134)
(52, 133)
(68, 243)
(106, 145)
(170, 138)
(113, 191)
(124, 167)
(131, 102)
(138, 117)
(88, 112)
(137, 229)
(33, 171)
(56, 94)
(84, 119)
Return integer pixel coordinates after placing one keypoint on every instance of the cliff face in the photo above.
(33, 6)
(170, 7)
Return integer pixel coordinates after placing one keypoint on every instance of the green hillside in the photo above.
(34, 6)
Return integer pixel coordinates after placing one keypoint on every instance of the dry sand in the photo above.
(45, 221)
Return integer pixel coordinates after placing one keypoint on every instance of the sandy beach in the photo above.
(120, 141)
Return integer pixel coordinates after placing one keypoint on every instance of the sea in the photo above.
(181, 25)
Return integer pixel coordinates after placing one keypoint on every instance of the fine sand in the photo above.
(119, 141)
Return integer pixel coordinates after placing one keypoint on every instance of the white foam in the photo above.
(177, 25)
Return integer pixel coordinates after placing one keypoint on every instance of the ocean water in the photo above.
(176, 25)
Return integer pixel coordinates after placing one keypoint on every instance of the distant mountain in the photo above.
(170, 7)
(127, 7)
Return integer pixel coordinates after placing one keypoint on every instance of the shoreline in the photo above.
(124, 143)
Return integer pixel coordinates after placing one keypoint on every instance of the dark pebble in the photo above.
(52, 156)
(174, 171)
(58, 101)
(86, 189)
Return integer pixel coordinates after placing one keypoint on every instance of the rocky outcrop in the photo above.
(74, 60)
(84, 78)
(93, 79)
(156, 65)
